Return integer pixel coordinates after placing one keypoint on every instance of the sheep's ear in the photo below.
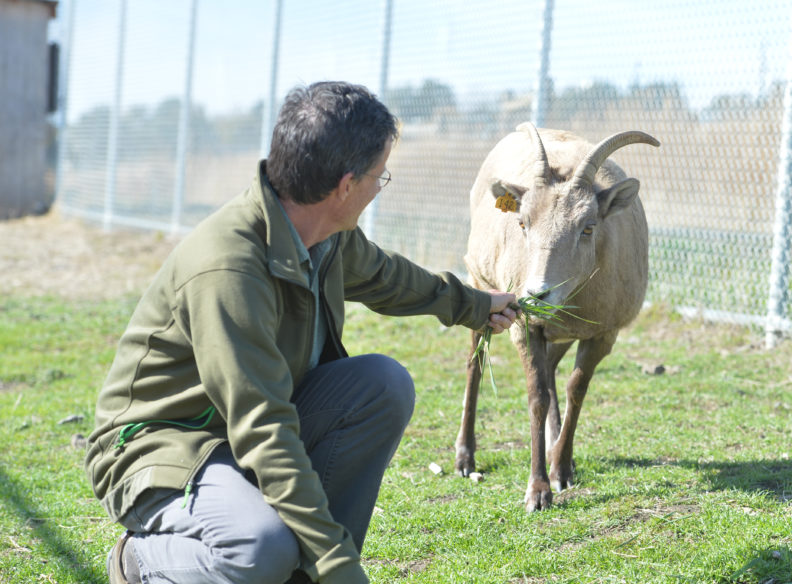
(617, 198)
(507, 197)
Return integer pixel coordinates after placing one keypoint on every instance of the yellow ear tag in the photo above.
(506, 202)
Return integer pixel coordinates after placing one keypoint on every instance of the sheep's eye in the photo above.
(588, 229)
(522, 224)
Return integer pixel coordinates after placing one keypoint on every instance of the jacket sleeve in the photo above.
(391, 284)
(231, 319)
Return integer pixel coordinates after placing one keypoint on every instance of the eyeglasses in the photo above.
(381, 180)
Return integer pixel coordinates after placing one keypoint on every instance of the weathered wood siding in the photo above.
(25, 180)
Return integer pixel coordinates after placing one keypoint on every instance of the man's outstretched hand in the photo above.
(502, 315)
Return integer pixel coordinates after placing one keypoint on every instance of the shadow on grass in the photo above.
(62, 553)
(773, 476)
(769, 565)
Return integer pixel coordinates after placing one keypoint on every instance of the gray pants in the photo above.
(352, 416)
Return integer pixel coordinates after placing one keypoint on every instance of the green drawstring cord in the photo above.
(187, 490)
(197, 423)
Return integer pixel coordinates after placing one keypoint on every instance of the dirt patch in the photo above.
(53, 255)
(654, 519)
(406, 568)
(568, 494)
(442, 500)
(8, 386)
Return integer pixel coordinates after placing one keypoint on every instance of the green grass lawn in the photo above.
(681, 477)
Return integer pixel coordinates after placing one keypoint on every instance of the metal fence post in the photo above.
(542, 94)
(64, 68)
(370, 217)
(182, 139)
(269, 112)
(779, 269)
(115, 116)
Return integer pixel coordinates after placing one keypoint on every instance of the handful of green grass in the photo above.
(529, 306)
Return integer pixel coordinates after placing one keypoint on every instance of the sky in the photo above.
(479, 48)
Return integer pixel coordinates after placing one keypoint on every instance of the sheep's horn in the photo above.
(542, 165)
(588, 167)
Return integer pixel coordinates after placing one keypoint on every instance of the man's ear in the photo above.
(344, 186)
(507, 197)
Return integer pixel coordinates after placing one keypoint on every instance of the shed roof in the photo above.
(50, 4)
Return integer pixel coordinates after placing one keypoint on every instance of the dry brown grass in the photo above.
(52, 255)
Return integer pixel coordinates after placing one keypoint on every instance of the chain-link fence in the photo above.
(167, 106)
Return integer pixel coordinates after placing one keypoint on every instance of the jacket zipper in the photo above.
(339, 347)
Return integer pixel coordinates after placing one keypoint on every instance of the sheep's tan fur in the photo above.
(585, 244)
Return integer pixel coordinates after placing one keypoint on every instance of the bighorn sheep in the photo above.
(552, 218)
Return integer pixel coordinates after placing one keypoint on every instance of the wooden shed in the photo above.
(28, 67)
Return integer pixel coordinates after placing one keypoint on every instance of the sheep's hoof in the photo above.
(465, 462)
(538, 496)
(562, 477)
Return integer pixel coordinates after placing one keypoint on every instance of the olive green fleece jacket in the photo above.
(228, 321)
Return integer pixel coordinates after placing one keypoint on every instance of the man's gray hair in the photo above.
(324, 131)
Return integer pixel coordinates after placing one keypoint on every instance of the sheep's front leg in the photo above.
(589, 355)
(534, 358)
(555, 352)
(465, 462)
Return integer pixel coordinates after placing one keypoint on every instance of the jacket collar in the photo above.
(283, 256)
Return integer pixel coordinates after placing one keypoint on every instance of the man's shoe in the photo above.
(122, 567)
